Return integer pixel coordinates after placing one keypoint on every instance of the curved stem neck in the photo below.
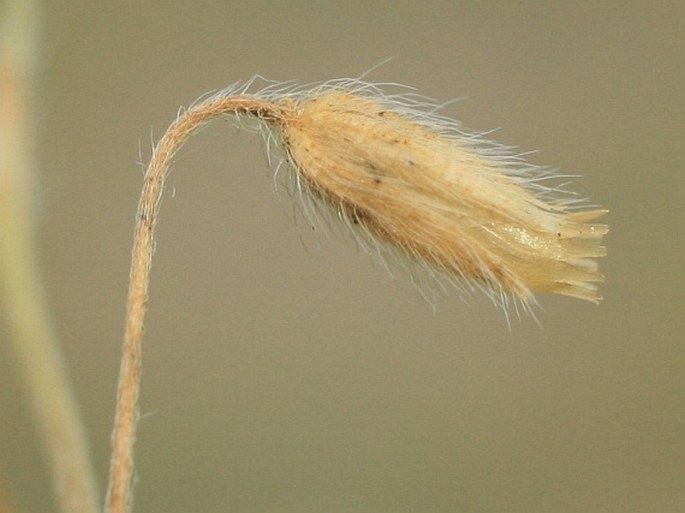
(119, 496)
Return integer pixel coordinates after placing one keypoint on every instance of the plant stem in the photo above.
(119, 496)
(38, 354)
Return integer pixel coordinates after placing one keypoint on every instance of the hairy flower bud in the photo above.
(401, 176)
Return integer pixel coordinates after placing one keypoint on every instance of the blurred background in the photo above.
(283, 371)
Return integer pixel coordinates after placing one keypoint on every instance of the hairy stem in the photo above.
(119, 496)
(38, 354)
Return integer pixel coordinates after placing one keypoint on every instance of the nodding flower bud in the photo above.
(402, 176)
(409, 181)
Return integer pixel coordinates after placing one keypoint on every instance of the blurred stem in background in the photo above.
(23, 301)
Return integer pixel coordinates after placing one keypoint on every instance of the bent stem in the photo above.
(119, 493)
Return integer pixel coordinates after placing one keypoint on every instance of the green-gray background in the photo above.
(283, 372)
